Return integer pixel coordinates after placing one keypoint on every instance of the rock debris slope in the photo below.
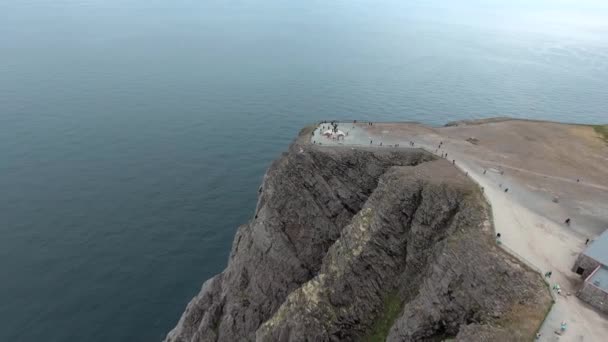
(366, 244)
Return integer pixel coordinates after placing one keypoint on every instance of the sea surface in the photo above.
(134, 133)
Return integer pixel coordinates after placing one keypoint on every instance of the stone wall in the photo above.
(594, 296)
(586, 263)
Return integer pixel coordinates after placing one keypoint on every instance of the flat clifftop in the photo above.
(363, 243)
(536, 174)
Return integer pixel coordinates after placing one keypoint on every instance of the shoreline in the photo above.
(473, 122)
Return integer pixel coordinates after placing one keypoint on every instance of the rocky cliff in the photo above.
(366, 244)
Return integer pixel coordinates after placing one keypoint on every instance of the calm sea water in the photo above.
(134, 133)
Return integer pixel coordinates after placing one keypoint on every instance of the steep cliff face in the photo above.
(352, 244)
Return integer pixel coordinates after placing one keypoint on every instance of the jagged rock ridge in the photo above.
(342, 234)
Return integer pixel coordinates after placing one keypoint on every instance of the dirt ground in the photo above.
(552, 172)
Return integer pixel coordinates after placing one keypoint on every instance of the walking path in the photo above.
(547, 246)
(544, 175)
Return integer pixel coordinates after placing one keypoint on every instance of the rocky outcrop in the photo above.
(366, 243)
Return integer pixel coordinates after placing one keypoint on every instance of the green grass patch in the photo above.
(382, 324)
(602, 130)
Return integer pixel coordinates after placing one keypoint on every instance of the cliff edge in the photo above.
(366, 244)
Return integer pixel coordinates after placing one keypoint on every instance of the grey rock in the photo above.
(339, 231)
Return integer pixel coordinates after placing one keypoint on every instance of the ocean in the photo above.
(134, 134)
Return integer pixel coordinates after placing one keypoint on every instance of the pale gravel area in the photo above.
(539, 161)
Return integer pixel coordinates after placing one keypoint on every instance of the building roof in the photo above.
(598, 249)
(599, 278)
